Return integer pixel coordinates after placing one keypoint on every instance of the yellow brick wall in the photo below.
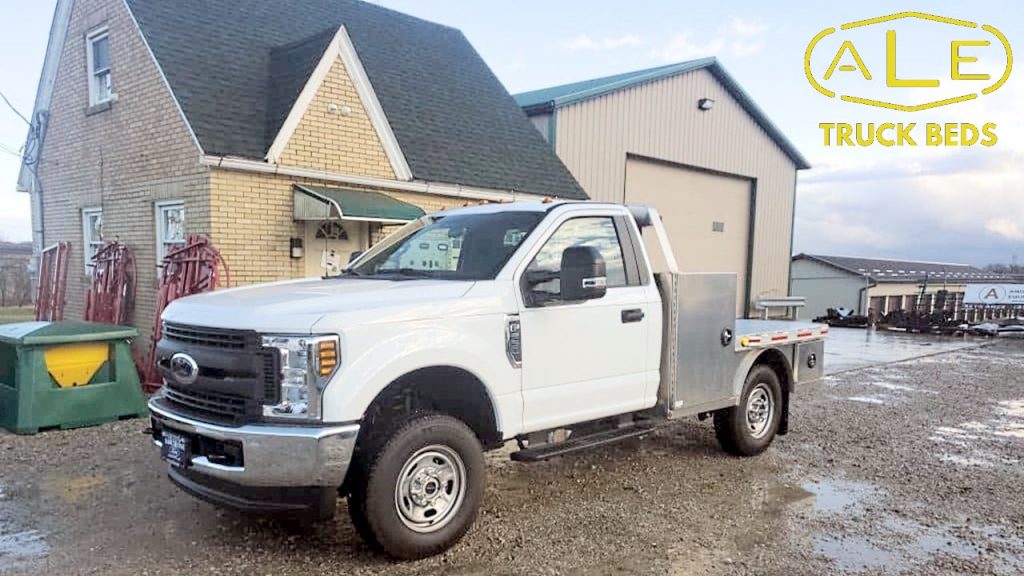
(335, 142)
(123, 159)
(251, 222)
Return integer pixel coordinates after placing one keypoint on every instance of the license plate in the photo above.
(177, 449)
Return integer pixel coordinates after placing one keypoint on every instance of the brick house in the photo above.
(265, 124)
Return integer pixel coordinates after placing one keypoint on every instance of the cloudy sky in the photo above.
(930, 203)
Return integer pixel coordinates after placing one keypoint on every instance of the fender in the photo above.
(751, 359)
(780, 357)
(474, 344)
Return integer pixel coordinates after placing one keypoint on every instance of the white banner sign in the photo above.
(994, 294)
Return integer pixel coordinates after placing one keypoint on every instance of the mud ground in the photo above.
(909, 468)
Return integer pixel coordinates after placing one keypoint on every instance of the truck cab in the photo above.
(543, 323)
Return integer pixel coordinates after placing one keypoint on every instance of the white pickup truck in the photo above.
(539, 322)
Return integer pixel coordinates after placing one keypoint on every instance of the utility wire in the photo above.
(11, 106)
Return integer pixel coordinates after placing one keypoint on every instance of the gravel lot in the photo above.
(908, 468)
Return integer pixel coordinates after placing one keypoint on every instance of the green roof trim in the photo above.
(548, 99)
(363, 205)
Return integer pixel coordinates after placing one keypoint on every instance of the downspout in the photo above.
(31, 160)
(862, 304)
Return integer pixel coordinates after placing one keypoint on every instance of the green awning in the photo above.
(320, 203)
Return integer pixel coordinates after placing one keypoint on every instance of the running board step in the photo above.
(581, 443)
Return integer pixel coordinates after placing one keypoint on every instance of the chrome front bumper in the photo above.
(273, 456)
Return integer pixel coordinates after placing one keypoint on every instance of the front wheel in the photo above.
(749, 428)
(420, 491)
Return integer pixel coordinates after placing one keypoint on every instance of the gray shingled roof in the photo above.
(453, 119)
(881, 270)
(290, 68)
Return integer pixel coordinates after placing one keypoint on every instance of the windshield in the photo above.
(455, 247)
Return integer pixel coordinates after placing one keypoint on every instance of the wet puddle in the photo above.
(875, 399)
(894, 544)
(971, 443)
(20, 549)
(853, 553)
(833, 496)
(898, 387)
(854, 348)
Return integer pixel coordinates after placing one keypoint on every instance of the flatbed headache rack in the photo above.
(707, 351)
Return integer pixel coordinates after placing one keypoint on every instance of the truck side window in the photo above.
(455, 247)
(598, 232)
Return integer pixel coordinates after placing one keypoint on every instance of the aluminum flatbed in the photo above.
(762, 333)
(707, 352)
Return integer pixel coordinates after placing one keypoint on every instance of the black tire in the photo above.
(734, 433)
(422, 442)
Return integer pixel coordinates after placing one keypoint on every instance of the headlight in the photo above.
(307, 363)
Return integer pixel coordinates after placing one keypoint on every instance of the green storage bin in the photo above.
(67, 375)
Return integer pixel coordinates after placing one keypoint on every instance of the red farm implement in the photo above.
(112, 293)
(52, 282)
(193, 268)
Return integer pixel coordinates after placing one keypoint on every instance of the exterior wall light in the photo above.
(705, 104)
(296, 247)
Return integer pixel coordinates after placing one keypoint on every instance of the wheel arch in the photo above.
(782, 367)
(444, 389)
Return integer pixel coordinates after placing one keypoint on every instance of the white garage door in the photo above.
(706, 215)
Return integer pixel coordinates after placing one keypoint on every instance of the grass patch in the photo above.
(11, 314)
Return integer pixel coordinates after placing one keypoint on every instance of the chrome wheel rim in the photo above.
(760, 410)
(430, 488)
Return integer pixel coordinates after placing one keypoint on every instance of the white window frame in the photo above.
(95, 92)
(88, 242)
(161, 244)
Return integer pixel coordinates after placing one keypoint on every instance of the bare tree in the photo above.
(15, 280)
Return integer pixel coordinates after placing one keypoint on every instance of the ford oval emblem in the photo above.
(184, 368)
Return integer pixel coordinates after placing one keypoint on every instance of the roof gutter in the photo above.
(422, 187)
(542, 108)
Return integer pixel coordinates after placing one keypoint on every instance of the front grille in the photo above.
(207, 404)
(212, 337)
(271, 377)
(237, 375)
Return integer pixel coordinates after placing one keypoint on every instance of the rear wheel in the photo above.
(749, 428)
(419, 493)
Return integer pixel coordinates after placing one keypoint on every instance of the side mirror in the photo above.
(583, 275)
(354, 256)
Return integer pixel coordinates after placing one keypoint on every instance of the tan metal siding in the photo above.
(710, 199)
(661, 120)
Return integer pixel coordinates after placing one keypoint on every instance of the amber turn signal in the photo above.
(327, 357)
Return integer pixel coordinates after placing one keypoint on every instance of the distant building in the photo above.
(883, 286)
(15, 282)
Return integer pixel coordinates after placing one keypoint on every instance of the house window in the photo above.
(92, 235)
(170, 228)
(98, 60)
(331, 230)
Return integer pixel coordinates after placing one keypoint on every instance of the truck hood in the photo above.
(294, 306)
